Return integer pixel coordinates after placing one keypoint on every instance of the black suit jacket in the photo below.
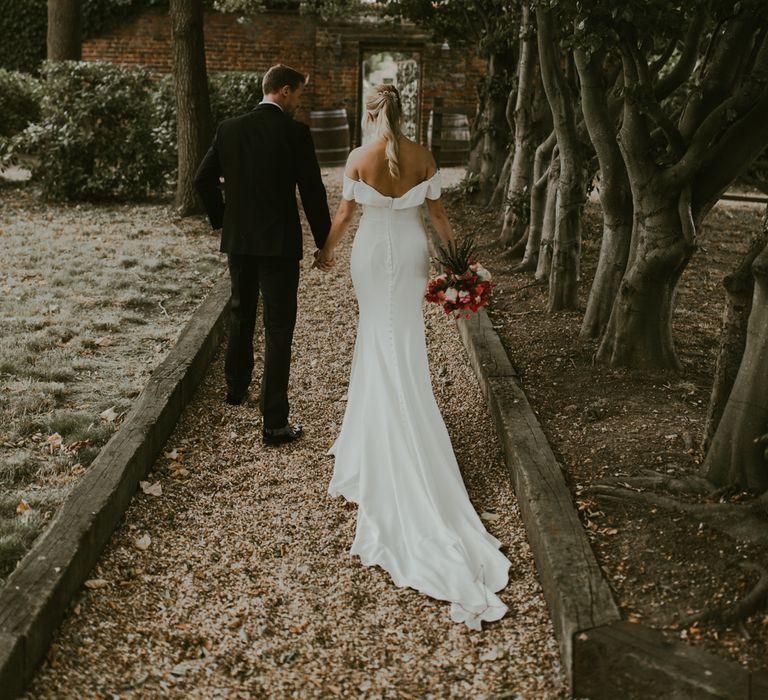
(262, 156)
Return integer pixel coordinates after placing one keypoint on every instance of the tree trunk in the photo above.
(566, 249)
(639, 331)
(611, 265)
(194, 121)
(738, 456)
(65, 36)
(739, 288)
(519, 186)
(476, 135)
(544, 263)
(500, 191)
(564, 275)
(615, 195)
(545, 155)
(495, 128)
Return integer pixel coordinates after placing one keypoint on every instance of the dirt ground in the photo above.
(91, 299)
(661, 566)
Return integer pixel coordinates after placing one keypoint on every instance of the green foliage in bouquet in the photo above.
(457, 256)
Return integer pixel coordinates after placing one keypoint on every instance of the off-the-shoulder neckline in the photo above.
(423, 182)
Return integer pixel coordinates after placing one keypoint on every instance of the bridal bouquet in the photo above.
(465, 284)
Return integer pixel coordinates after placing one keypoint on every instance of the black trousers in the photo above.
(277, 279)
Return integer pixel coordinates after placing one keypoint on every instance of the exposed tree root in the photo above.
(695, 485)
(517, 249)
(528, 265)
(746, 522)
(741, 609)
(535, 283)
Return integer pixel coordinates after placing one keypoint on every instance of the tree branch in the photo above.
(634, 135)
(661, 61)
(721, 122)
(556, 85)
(600, 123)
(724, 70)
(651, 104)
(741, 144)
(687, 61)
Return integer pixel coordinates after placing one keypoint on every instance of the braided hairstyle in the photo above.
(385, 107)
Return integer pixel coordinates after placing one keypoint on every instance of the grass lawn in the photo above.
(92, 297)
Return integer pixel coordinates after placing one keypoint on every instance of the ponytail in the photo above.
(385, 107)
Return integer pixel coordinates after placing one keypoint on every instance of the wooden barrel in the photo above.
(330, 132)
(454, 137)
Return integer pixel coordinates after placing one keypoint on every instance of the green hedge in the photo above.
(231, 93)
(95, 138)
(106, 131)
(20, 95)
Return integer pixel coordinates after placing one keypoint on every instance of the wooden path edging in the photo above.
(605, 658)
(576, 592)
(38, 592)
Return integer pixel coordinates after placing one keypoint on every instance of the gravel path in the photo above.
(246, 589)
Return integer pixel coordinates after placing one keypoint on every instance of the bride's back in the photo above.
(415, 165)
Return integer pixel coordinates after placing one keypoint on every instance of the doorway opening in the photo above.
(401, 69)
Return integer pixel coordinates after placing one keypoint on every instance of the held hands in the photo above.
(324, 259)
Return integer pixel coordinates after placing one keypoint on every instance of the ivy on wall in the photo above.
(22, 28)
(23, 25)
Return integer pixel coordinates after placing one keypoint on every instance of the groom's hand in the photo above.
(323, 261)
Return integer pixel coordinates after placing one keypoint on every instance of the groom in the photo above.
(263, 156)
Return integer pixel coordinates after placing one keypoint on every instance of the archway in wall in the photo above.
(401, 69)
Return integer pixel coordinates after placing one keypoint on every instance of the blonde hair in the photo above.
(384, 105)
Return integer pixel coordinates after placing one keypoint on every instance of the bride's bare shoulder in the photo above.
(420, 156)
(354, 159)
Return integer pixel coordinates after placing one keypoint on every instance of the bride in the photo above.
(393, 454)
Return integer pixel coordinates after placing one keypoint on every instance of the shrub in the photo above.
(231, 93)
(19, 102)
(95, 138)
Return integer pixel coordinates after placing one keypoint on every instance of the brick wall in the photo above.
(330, 52)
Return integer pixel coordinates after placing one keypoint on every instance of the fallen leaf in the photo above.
(109, 415)
(22, 507)
(611, 531)
(54, 442)
(489, 516)
(493, 654)
(143, 542)
(181, 669)
(104, 341)
(95, 583)
(151, 489)
(173, 454)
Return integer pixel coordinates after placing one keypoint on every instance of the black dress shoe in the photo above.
(279, 436)
(235, 399)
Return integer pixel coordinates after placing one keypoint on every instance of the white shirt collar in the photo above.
(265, 101)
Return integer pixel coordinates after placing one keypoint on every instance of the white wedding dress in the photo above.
(393, 455)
